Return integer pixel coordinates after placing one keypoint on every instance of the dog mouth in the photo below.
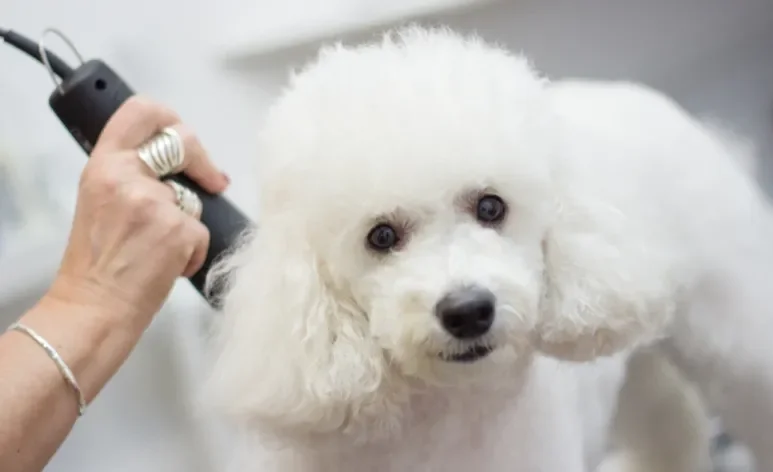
(472, 354)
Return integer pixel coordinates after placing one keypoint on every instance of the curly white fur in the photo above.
(620, 208)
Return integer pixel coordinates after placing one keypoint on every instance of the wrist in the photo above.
(91, 340)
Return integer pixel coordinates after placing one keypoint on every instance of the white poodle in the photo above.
(456, 258)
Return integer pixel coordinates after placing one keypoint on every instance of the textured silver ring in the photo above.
(187, 201)
(164, 153)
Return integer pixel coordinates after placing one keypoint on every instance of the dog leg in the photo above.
(660, 425)
(624, 461)
(724, 347)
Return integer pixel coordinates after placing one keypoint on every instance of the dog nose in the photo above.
(466, 313)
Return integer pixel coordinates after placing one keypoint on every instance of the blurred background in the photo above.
(220, 64)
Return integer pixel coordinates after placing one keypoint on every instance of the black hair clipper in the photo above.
(84, 100)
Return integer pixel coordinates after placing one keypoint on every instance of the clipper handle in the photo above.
(84, 103)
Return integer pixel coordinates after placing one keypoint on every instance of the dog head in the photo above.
(410, 231)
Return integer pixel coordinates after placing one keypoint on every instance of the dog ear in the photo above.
(291, 351)
(610, 281)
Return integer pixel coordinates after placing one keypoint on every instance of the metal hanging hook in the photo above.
(44, 54)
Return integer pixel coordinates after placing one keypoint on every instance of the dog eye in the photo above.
(491, 209)
(382, 237)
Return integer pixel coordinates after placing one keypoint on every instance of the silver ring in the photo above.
(187, 201)
(164, 153)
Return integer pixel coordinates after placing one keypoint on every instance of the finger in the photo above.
(186, 200)
(199, 237)
(195, 233)
(179, 150)
(197, 165)
(145, 196)
(136, 121)
(186, 240)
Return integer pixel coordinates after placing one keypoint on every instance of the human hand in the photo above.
(130, 240)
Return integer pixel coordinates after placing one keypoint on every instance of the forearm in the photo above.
(37, 407)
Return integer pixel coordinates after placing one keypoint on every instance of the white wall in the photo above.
(170, 50)
(712, 55)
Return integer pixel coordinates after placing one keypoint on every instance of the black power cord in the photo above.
(27, 46)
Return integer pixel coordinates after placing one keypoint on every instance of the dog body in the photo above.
(551, 418)
(456, 259)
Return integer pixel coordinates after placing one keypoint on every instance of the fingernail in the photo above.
(226, 178)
